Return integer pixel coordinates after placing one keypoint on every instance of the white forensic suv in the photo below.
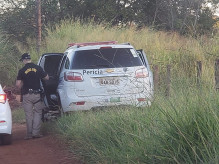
(97, 74)
(5, 119)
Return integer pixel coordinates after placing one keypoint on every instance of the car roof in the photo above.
(101, 46)
(45, 54)
(90, 47)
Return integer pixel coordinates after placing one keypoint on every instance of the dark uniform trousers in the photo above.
(33, 111)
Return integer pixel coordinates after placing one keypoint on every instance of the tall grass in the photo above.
(162, 48)
(8, 61)
(183, 128)
(18, 116)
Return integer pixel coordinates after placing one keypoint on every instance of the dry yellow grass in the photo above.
(162, 48)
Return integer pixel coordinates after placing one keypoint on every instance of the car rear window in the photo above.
(105, 58)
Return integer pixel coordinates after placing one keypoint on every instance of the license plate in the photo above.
(115, 99)
(109, 81)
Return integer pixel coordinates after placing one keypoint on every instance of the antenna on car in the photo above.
(91, 43)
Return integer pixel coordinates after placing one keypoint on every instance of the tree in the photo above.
(185, 16)
(18, 22)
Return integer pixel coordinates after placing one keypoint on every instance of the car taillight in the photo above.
(3, 98)
(141, 73)
(73, 76)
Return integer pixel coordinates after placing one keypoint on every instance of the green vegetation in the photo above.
(161, 48)
(8, 61)
(18, 116)
(186, 17)
(183, 128)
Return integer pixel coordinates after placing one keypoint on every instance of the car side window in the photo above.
(141, 55)
(67, 63)
(61, 65)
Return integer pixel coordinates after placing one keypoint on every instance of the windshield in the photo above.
(105, 58)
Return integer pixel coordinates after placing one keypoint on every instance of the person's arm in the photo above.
(19, 84)
(46, 77)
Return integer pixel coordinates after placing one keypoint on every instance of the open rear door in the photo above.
(144, 60)
(50, 62)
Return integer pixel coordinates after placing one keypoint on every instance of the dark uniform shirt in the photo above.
(31, 74)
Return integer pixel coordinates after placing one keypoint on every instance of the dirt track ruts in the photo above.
(45, 150)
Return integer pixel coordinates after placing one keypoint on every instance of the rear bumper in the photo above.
(5, 128)
(5, 119)
(104, 101)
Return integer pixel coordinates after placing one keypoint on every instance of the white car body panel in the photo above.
(5, 116)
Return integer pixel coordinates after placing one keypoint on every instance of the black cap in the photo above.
(25, 56)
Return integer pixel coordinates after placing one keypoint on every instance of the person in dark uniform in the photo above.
(28, 80)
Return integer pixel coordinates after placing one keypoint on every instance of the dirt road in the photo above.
(45, 150)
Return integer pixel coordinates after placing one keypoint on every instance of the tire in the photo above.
(7, 139)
